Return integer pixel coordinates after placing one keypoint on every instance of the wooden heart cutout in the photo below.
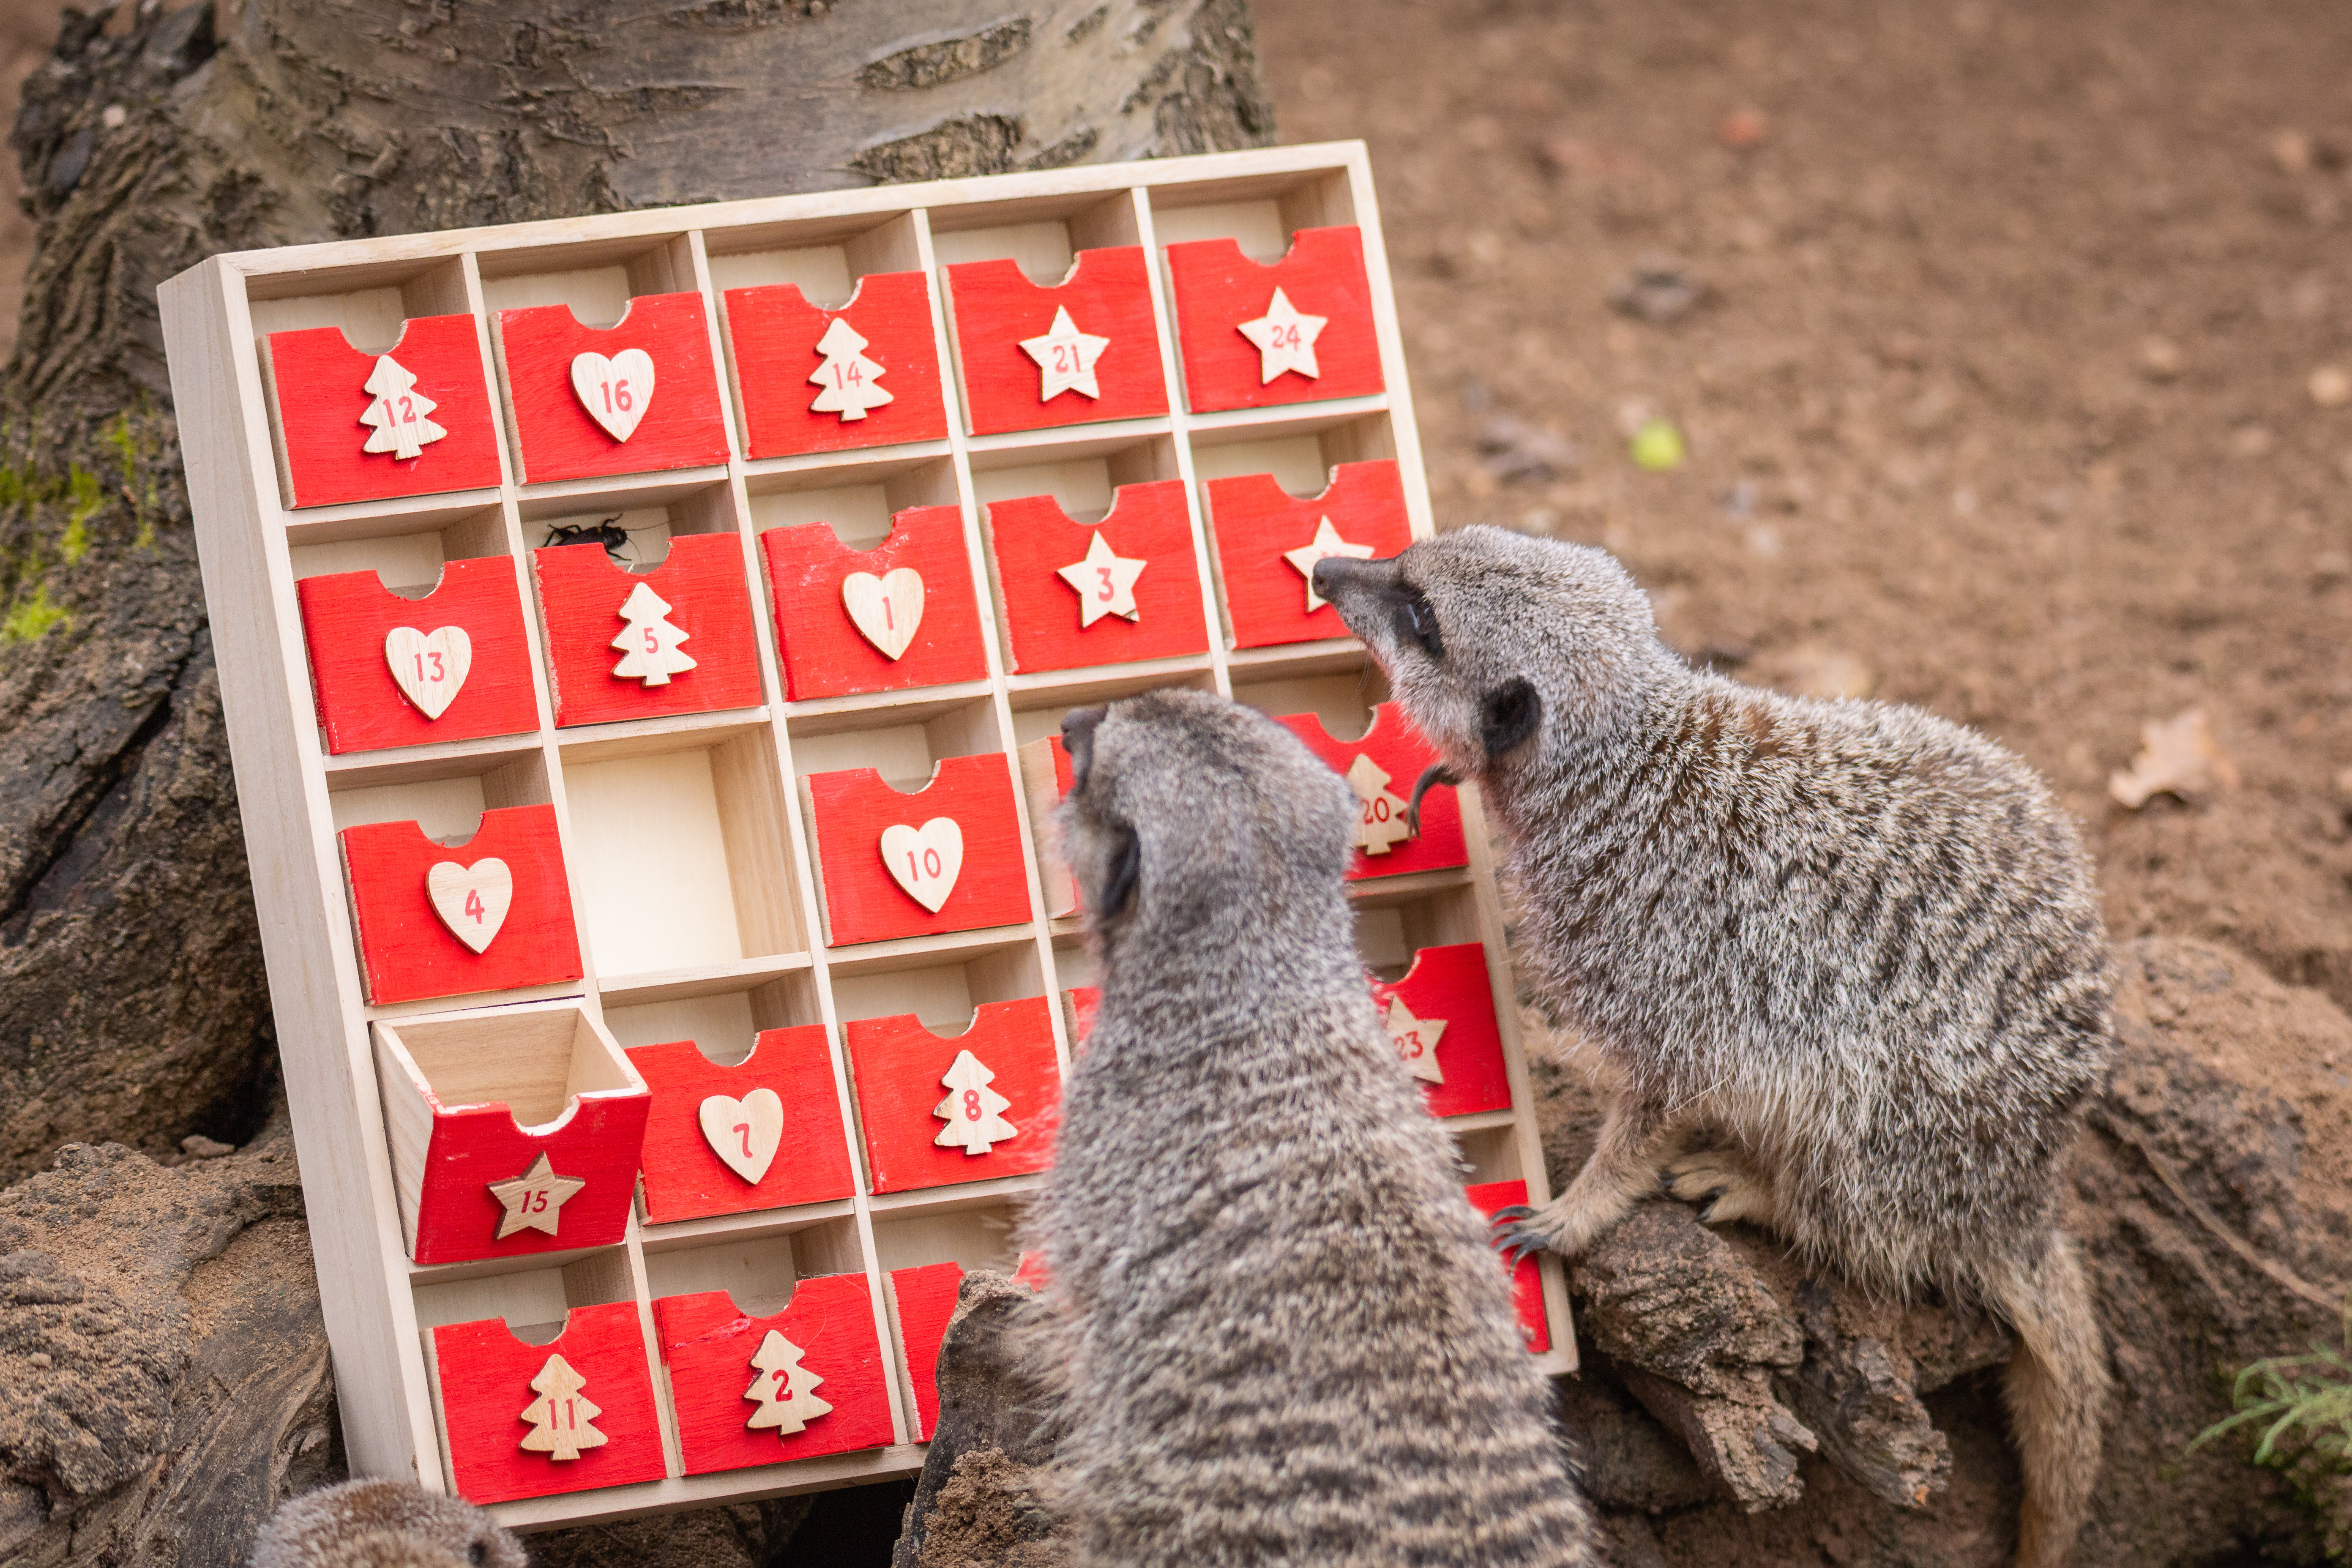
(429, 667)
(745, 1133)
(925, 860)
(615, 392)
(888, 608)
(472, 900)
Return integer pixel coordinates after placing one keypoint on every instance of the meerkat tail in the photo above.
(2057, 1388)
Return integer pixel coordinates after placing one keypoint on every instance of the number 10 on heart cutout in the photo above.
(925, 860)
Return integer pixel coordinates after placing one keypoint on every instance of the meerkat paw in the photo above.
(1567, 1226)
(1725, 1181)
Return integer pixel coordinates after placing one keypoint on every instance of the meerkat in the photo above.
(384, 1524)
(1286, 1337)
(1858, 943)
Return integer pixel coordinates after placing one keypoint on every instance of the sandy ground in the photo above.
(2000, 397)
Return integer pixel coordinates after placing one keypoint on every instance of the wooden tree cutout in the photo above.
(649, 643)
(784, 1388)
(1065, 358)
(744, 1134)
(970, 1108)
(850, 381)
(1284, 339)
(534, 1200)
(472, 900)
(559, 1417)
(429, 667)
(1325, 543)
(1416, 1040)
(1104, 582)
(615, 392)
(1382, 819)
(886, 609)
(396, 416)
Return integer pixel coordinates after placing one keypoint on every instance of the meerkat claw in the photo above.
(1509, 1215)
(1519, 1244)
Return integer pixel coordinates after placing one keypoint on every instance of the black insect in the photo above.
(608, 534)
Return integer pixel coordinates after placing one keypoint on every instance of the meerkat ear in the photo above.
(1126, 872)
(1510, 714)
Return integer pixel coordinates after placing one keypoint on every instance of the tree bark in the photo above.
(132, 1002)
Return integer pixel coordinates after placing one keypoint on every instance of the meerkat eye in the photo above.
(1416, 622)
(479, 1553)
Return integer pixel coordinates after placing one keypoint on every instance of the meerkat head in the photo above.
(384, 1524)
(1187, 812)
(1495, 642)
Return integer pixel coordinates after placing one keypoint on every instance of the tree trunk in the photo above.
(132, 1004)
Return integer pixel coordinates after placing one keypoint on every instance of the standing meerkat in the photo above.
(1285, 1336)
(384, 1524)
(1861, 942)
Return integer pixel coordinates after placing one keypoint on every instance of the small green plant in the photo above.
(2307, 1397)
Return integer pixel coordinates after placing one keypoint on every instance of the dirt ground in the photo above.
(1999, 398)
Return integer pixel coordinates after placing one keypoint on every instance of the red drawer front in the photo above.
(474, 1148)
(348, 620)
(407, 951)
(805, 1161)
(1218, 291)
(319, 384)
(852, 810)
(1527, 1285)
(1258, 526)
(1108, 296)
(678, 428)
(1441, 1017)
(1382, 770)
(487, 1375)
(775, 333)
(714, 1353)
(825, 653)
(906, 1076)
(587, 604)
(922, 1301)
(1035, 543)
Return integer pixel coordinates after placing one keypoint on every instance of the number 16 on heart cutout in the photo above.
(765, 1134)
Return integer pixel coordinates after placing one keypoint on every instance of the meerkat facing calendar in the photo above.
(644, 639)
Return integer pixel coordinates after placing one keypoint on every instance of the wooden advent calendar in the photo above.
(643, 640)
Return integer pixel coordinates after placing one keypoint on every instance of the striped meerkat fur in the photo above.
(382, 1525)
(1858, 944)
(1285, 1336)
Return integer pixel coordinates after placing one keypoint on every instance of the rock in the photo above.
(980, 1498)
(164, 1372)
(1658, 290)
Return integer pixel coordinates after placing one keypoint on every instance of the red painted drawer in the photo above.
(558, 436)
(1269, 540)
(1102, 364)
(1527, 1285)
(488, 1379)
(868, 835)
(615, 638)
(791, 355)
(820, 1376)
(1068, 604)
(379, 662)
(921, 1301)
(1318, 340)
(914, 1088)
(825, 653)
(1382, 769)
(334, 403)
(775, 1115)
(1442, 1016)
(409, 948)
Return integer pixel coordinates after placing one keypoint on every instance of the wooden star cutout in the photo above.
(1416, 1040)
(1065, 358)
(1284, 339)
(1326, 542)
(533, 1199)
(1104, 582)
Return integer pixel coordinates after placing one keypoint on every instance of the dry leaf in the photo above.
(2177, 757)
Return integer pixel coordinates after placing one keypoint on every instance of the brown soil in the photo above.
(1934, 451)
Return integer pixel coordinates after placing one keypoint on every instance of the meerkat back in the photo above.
(1287, 1339)
(382, 1525)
